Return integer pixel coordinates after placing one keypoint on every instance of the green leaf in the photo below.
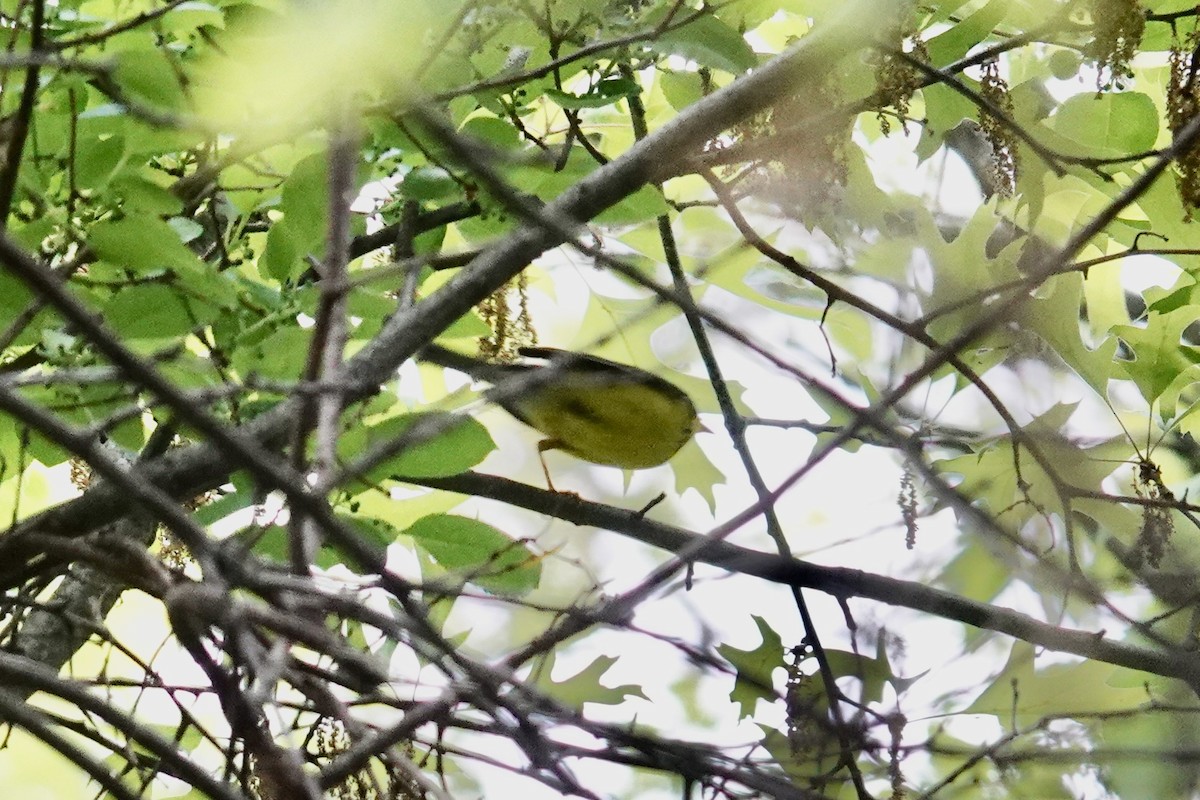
(305, 199)
(709, 42)
(14, 295)
(874, 673)
(1054, 317)
(141, 194)
(281, 355)
(141, 244)
(819, 756)
(585, 686)
(270, 542)
(276, 78)
(1025, 693)
(481, 554)
(273, 542)
(746, 15)
(400, 514)
(944, 110)
(754, 668)
(442, 444)
(590, 100)
(188, 230)
(990, 477)
(681, 88)
(954, 43)
(618, 87)
(98, 158)
(962, 268)
(604, 93)
(149, 76)
(153, 311)
(1108, 124)
(1064, 64)
(281, 257)
(187, 17)
(1148, 732)
(645, 204)
(223, 506)
(492, 132)
(429, 184)
(1159, 356)
(741, 271)
(373, 307)
(976, 573)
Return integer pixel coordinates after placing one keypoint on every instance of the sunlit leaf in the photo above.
(1110, 123)
(1159, 356)
(440, 444)
(152, 311)
(141, 244)
(290, 73)
(711, 43)
(585, 686)
(755, 668)
(1024, 692)
(478, 553)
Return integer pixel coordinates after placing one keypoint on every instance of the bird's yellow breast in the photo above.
(622, 424)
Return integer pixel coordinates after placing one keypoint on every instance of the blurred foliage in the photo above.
(903, 240)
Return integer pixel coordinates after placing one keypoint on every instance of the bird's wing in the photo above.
(602, 368)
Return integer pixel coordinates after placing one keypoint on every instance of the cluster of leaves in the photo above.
(227, 225)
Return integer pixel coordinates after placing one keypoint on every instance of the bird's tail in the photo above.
(476, 367)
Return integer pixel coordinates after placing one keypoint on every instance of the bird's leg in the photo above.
(543, 446)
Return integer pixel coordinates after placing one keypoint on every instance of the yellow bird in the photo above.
(595, 409)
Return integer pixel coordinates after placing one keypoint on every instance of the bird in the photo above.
(595, 409)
